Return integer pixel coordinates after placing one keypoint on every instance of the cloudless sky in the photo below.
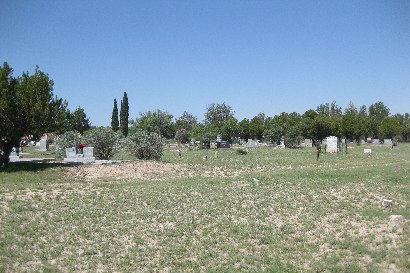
(256, 56)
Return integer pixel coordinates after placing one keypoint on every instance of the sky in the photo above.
(256, 56)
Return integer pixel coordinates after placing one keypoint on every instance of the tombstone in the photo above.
(70, 152)
(331, 142)
(388, 141)
(88, 151)
(44, 145)
(224, 144)
(376, 141)
(14, 155)
(252, 143)
(367, 151)
(308, 142)
(369, 140)
(218, 138)
(86, 157)
(362, 141)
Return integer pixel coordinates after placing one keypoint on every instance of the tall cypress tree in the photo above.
(124, 113)
(114, 119)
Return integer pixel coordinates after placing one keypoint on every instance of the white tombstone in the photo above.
(70, 152)
(86, 157)
(331, 142)
(367, 151)
(376, 141)
(14, 155)
(388, 141)
(88, 151)
(252, 143)
(308, 142)
(43, 145)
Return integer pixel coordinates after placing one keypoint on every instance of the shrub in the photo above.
(182, 136)
(103, 140)
(67, 140)
(241, 151)
(145, 145)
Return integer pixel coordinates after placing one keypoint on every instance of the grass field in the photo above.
(270, 210)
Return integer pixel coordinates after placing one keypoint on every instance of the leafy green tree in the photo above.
(389, 127)
(377, 111)
(218, 112)
(349, 121)
(182, 136)
(244, 128)
(186, 121)
(154, 122)
(115, 124)
(228, 129)
(79, 121)
(204, 132)
(322, 127)
(274, 132)
(404, 121)
(124, 115)
(27, 107)
(257, 126)
(307, 124)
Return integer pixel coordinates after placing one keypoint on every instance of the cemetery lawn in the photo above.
(274, 210)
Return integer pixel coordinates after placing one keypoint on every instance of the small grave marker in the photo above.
(388, 141)
(367, 151)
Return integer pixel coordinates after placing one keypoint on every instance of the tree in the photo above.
(157, 121)
(377, 111)
(257, 126)
(26, 107)
(229, 129)
(114, 118)
(217, 113)
(79, 121)
(389, 127)
(61, 116)
(124, 114)
(307, 124)
(182, 136)
(186, 121)
(244, 129)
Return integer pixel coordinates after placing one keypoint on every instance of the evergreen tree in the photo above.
(124, 113)
(114, 119)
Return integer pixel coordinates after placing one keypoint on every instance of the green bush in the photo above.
(67, 140)
(145, 145)
(182, 136)
(241, 151)
(104, 141)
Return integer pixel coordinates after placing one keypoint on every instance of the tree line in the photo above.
(327, 119)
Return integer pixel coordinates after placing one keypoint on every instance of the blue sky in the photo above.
(256, 56)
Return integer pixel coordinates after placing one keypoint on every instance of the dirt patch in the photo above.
(149, 170)
(143, 170)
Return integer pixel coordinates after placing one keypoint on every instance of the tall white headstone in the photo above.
(43, 145)
(331, 142)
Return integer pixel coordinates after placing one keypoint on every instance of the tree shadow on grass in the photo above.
(31, 166)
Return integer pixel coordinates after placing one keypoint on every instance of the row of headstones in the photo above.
(376, 141)
(82, 155)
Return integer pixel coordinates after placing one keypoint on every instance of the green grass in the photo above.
(270, 210)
